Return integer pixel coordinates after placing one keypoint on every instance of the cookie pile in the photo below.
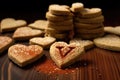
(88, 22)
(60, 21)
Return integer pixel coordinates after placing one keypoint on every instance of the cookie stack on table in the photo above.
(88, 22)
(60, 22)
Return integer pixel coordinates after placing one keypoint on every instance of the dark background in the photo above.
(31, 10)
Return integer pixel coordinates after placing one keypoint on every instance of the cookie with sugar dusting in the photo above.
(5, 43)
(45, 42)
(87, 44)
(109, 42)
(23, 55)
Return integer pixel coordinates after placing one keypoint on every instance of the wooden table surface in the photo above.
(95, 64)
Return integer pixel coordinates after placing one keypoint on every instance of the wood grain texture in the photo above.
(95, 64)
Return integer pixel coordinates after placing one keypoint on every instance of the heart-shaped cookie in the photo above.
(90, 12)
(10, 24)
(64, 55)
(45, 42)
(87, 44)
(23, 55)
(25, 33)
(110, 42)
(113, 30)
(39, 24)
(5, 42)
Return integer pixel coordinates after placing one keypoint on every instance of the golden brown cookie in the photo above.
(56, 18)
(87, 44)
(109, 42)
(98, 19)
(25, 33)
(90, 12)
(89, 36)
(112, 30)
(45, 42)
(23, 55)
(59, 10)
(64, 23)
(77, 7)
(10, 24)
(5, 43)
(39, 24)
(87, 26)
(64, 54)
(84, 31)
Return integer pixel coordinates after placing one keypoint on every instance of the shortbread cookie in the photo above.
(57, 35)
(89, 36)
(54, 31)
(98, 19)
(77, 7)
(64, 23)
(87, 44)
(59, 10)
(39, 24)
(64, 55)
(113, 30)
(10, 24)
(5, 43)
(52, 17)
(96, 30)
(90, 13)
(61, 27)
(25, 33)
(23, 55)
(87, 26)
(109, 42)
(45, 42)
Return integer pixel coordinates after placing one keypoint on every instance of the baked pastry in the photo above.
(112, 30)
(77, 7)
(109, 42)
(59, 10)
(87, 44)
(64, 55)
(10, 24)
(25, 33)
(5, 43)
(95, 20)
(23, 55)
(39, 24)
(45, 42)
(90, 13)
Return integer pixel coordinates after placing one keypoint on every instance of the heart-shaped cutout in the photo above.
(10, 24)
(110, 42)
(45, 42)
(39, 24)
(5, 43)
(64, 55)
(25, 33)
(23, 55)
(113, 30)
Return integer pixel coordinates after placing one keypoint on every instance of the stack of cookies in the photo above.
(88, 22)
(60, 22)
